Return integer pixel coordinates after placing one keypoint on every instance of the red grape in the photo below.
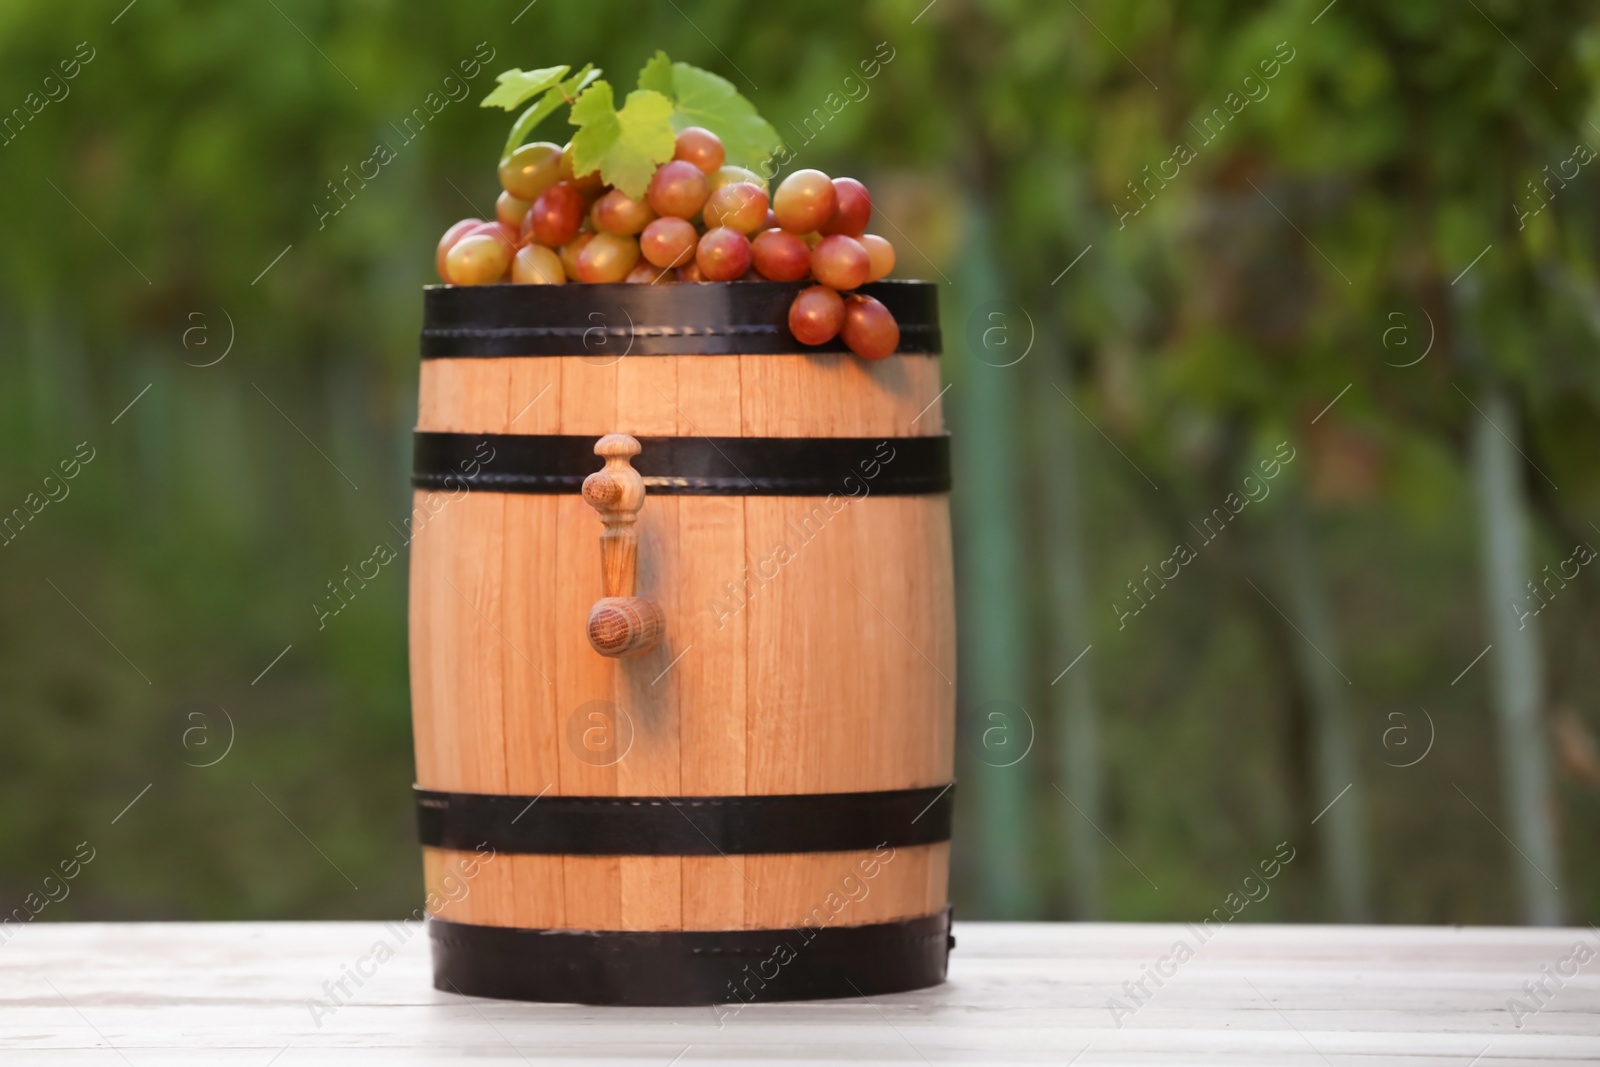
(537, 265)
(531, 170)
(570, 252)
(701, 147)
(840, 262)
(448, 241)
(780, 255)
(690, 273)
(607, 258)
(477, 259)
(678, 189)
(556, 216)
(853, 209)
(804, 201)
(669, 242)
(880, 253)
(815, 315)
(740, 206)
(643, 273)
(723, 254)
(511, 210)
(869, 328)
(617, 213)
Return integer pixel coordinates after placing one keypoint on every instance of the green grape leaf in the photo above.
(518, 85)
(545, 106)
(595, 115)
(624, 145)
(709, 100)
(580, 81)
(657, 75)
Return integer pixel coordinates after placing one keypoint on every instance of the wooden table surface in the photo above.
(253, 993)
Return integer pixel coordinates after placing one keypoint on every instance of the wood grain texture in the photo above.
(784, 891)
(822, 395)
(465, 395)
(528, 645)
(838, 395)
(850, 659)
(1256, 995)
(534, 396)
(649, 689)
(711, 632)
(796, 657)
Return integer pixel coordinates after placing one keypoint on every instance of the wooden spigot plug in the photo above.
(620, 624)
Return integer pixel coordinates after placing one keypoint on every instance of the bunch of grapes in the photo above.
(698, 221)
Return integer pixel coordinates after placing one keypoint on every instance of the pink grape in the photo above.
(557, 215)
(607, 258)
(701, 147)
(780, 256)
(570, 252)
(815, 315)
(477, 259)
(500, 232)
(643, 273)
(723, 254)
(880, 254)
(669, 242)
(531, 170)
(448, 241)
(741, 206)
(853, 209)
(511, 210)
(869, 328)
(678, 189)
(729, 174)
(617, 213)
(840, 262)
(804, 201)
(537, 265)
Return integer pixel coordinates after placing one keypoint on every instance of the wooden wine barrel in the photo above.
(758, 807)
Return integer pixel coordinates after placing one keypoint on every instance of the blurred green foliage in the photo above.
(173, 189)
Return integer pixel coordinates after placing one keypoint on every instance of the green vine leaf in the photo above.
(709, 100)
(625, 146)
(517, 85)
(657, 75)
(546, 105)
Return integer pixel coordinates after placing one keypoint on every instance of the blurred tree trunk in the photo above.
(989, 513)
(1518, 689)
(1072, 703)
(1343, 825)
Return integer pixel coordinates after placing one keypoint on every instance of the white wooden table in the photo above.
(223, 993)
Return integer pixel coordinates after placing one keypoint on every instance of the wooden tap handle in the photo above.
(620, 623)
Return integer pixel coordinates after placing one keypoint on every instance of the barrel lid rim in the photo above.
(610, 320)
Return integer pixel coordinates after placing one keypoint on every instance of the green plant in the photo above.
(625, 145)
